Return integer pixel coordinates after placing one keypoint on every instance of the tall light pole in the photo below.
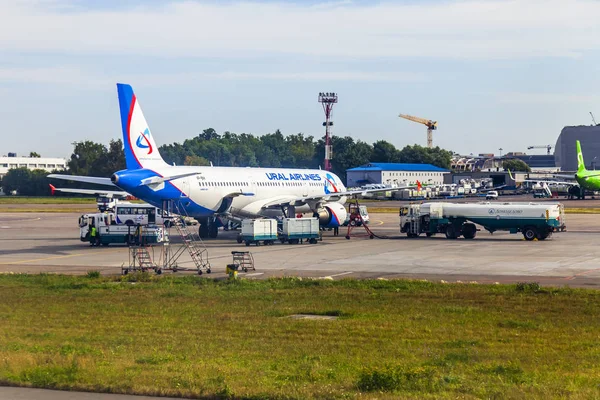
(328, 99)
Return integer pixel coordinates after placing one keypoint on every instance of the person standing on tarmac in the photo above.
(336, 231)
(93, 234)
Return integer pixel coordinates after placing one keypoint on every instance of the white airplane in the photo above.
(206, 193)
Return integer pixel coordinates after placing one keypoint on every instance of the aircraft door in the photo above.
(185, 187)
(251, 185)
(304, 188)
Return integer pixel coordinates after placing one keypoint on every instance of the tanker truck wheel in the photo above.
(469, 231)
(529, 233)
(451, 232)
(544, 235)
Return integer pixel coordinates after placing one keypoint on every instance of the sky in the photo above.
(494, 73)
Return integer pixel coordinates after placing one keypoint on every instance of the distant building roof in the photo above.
(398, 167)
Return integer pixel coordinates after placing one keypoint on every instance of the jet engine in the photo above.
(332, 215)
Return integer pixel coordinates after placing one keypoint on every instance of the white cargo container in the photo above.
(296, 229)
(256, 230)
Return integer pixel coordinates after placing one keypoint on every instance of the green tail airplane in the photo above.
(589, 180)
(585, 179)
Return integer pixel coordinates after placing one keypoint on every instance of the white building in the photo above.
(45, 163)
(395, 174)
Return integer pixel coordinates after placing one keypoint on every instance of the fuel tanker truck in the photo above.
(533, 220)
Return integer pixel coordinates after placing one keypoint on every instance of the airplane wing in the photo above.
(153, 181)
(111, 193)
(546, 181)
(549, 182)
(157, 180)
(85, 179)
(492, 188)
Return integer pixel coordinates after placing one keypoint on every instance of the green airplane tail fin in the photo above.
(580, 163)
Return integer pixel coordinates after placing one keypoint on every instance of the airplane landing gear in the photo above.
(208, 228)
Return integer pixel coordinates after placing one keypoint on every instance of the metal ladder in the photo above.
(142, 258)
(192, 243)
(139, 260)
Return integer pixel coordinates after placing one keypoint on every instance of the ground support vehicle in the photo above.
(533, 220)
(109, 233)
(257, 230)
(361, 209)
(296, 230)
(491, 195)
(106, 203)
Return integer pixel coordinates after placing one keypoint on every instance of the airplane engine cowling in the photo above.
(332, 215)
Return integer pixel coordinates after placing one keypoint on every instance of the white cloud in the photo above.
(546, 98)
(53, 75)
(73, 75)
(448, 29)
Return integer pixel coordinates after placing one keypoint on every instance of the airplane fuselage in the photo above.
(587, 180)
(242, 192)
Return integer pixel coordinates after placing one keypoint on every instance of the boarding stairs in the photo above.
(140, 259)
(190, 241)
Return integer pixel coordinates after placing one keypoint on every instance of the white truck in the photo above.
(533, 220)
(107, 231)
(106, 203)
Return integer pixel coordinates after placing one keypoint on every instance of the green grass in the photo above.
(46, 200)
(189, 336)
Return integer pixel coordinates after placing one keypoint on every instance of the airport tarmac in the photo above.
(49, 242)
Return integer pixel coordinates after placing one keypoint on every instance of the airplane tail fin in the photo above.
(141, 150)
(580, 163)
(52, 189)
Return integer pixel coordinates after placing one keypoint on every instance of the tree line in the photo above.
(272, 150)
(294, 151)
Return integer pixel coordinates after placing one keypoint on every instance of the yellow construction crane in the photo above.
(431, 126)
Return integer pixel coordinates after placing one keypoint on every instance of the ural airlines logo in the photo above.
(330, 184)
(143, 141)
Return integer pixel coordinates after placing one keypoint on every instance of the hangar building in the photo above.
(395, 174)
(565, 153)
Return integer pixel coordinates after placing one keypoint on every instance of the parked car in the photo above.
(491, 195)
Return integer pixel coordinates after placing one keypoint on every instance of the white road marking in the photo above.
(340, 274)
(255, 274)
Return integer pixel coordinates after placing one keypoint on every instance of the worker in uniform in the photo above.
(138, 234)
(336, 231)
(93, 234)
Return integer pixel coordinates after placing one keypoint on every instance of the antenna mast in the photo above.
(328, 99)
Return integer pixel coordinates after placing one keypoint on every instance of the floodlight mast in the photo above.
(328, 99)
